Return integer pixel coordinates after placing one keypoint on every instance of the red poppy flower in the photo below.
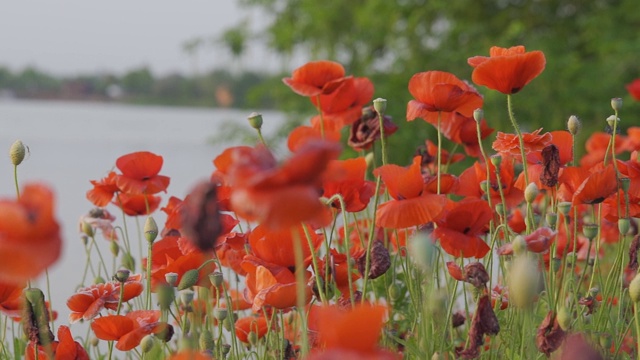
(315, 78)
(338, 270)
(128, 330)
(459, 230)
(103, 190)
(276, 246)
(140, 173)
(538, 241)
(87, 303)
(633, 139)
(251, 324)
(344, 105)
(231, 249)
(174, 217)
(351, 334)
(634, 89)
(438, 91)
(65, 348)
(271, 285)
(102, 219)
(463, 130)
(471, 178)
(11, 299)
(563, 141)
(411, 205)
(597, 186)
(281, 197)
(507, 70)
(508, 144)
(190, 355)
(597, 146)
(346, 177)
(29, 235)
(303, 134)
(137, 204)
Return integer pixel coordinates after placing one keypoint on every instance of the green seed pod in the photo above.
(189, 279)
(147, 343)
(166, 296)
(574, 125)
(623, 226)
(206, 341)
(114, 248)
(220, 313)
(531, 193)
(564, 207)
(128, 261)
(380, 105)
(616, 104)
(478, 115)
(122, 275)
(395, 292)
(590, 231)
(216, 279)
(255, 120)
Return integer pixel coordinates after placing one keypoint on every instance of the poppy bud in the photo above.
(87, 229)
(122, 275)
(17, 151)
(147, 343)
(574, 125)
(624, 183)
(94, 341)
(128, 261)
(564, 318)
(531, 192)
(616, 104)
(171, 278)
(523, 281)
(484, 186)
(564, 207)
(206, 340)
(613, 121)
(225, 349)
(165, 297)
(189, 279)
(552, 219)
(255, 120)
(114, 248)
(99, 280)
(216, 279)
(150, 229)
(634, 289)
(623, 226)
(499, 208)
(556, 264)
(590, 231)
(380, 105)
(478, 115)
(395, 292)
(519, 245)
(253, 338)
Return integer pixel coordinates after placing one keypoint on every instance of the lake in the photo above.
(72, 143)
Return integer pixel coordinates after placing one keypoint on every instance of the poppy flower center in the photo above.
(466, 230)
(146, 178)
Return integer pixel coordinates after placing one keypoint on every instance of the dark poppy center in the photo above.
(595, 201)
(466, 230)
(146, 178)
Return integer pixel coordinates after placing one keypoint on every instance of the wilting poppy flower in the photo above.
(284, 196)
(271, 285)
(128, 330)
(87, 303)
(550, 335)
(102, 219)
(103, 190)
(140, 173)
(137, 204)
(411, 205)
(545, 166)
(366, 129)
(459, 230)
(350, 334)
(346, 177)
(634, 89)
(538, 241)
(11, 299)
(276, 246)
(597, 186)
(251, 324)
(508, 144)
(484, 323)
(29, 235)
(344, 105)
(473, 273)
(65, 348)
(507, 70)
(439, 91)
(315, 78)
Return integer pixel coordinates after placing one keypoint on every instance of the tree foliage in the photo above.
(592, 47)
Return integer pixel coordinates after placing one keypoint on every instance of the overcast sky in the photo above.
(69, 37)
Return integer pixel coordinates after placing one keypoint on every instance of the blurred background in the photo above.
(82, 83)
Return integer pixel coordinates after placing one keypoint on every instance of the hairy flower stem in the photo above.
(439, 155)
(148, 272)
(520, 139)
(300, 289)
(383, 139)
(321, 116)
(370, 241)
(637, 322)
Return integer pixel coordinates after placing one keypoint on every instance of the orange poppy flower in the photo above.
(460, 229)
(281, 197)
(471, 178)
(65, 348)
(29, 235)
(140, 173)
(190, 355)
(316, 78)
(634, 89)
(439, 91)
(538, 241)
(346, 177)
(597, 186)
(508, 144)
(411, 205)
(11, 299)
(303, 134)
(633, 139)
(507, 70)
(251, 324)
(87, 303)
(103, 190)
(231, 249)
(339, 269)
(563, 141)
(276, 246)
(128, 330)
(136, 204)
(462, 130)
(344, 105)
(350, 334)
(597, 145)
(271, 285)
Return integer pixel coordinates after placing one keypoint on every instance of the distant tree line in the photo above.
(217, 88)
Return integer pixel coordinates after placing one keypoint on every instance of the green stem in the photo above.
(300, 289)
(439, 155)
(520, 139)
(383, 139)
